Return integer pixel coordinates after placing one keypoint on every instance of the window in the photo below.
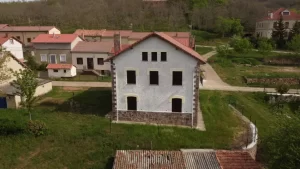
(63, 58)
(286, 25)
(53, 58)
(177, 78)
(55, 70)
(131, 77)
(102, 72)
(29, 40)
(176, 105)
(131, 103)
(43, 58)
(11, 41)
(18, 37)
(145, 56)
(154, 78)
(163, 56)
(65, 71)
(286, 13)
(100, 61)
(154, 56)
(79, 61)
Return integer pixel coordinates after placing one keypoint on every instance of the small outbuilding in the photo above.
(61, 70)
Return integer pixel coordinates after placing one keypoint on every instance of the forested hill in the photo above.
(125, 14)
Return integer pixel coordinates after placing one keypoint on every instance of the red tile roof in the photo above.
(102, 32)
(57, 38)
(236, 160)
(59, 66)
(144, 159)
(93, 47)
(276, 15)
(110, 33)
(3, 25)
(168, 39)
(26, 28)
(3, 40)
(81, 32)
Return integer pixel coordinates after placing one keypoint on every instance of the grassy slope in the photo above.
(204, 50)
(232, 72)
(84, 140)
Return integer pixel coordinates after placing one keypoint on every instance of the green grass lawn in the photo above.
(85, 139)
(86, 78)
(203, 50)
(208, 39)
(234, 68)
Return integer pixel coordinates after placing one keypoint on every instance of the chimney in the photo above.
(117, 43)
(191, 41)
(53, 35)
(270, 14)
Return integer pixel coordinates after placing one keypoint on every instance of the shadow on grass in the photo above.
(110, 163)
(96, 101)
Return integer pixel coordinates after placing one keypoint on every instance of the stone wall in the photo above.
(288, 81)
(282, 61)
(179, 119)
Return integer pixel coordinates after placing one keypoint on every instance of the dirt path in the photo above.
(24, 161)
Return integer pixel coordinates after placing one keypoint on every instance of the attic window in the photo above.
(285, 13)
(11, 41)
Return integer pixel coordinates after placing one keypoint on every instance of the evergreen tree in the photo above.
(295, 30)
(279, 33)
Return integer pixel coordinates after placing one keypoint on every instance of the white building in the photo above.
(61, 70)
(265, 26)
(156, 80)
(91, 56)
(13, 46)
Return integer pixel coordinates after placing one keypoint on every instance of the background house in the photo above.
(265, 26)
(12, 45)
(54, 48)
(156, 77)
(91, 56)
(8, 97)
(61, 70)
(27, 33)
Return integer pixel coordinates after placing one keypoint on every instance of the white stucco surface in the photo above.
(14, 47)
(54, 30)
(61, 72)
(156, 98)
(95, 56)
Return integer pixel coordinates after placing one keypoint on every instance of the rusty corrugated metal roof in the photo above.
(200, 159)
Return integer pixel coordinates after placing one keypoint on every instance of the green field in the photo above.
(86, 78)
(203, 50)
(85, 139)
(233, 68)
(209, 39)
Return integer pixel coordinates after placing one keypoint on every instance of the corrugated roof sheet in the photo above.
(205, 159)
(145, 159)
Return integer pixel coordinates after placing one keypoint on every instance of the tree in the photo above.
(295, 31)
(223, 50)
(294, 44)
(264, 46)
(241, 45)
(281, 147)
(282, 89)
(228, 26)
(26, 84)
(4, 70)
(279, 33)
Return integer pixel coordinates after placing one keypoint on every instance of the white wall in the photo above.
(69, 73)
(74, 43)
(54, 30)
(43, 89)
(155, 98)
(84, 56)
(14, 47)
(265, 28)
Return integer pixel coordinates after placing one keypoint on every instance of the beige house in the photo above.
(91, 56)
(54, 48)
(8, 97)
(26, 34)
(266, 25)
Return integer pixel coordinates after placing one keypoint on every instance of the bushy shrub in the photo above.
(42, 67)
(10, 127)
(241, 45)
(250, 61)
(37, 128)
(223, 50)
(264, 46)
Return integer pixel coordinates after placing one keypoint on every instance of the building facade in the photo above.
(266, 25)
(12, 45)
(157, 77)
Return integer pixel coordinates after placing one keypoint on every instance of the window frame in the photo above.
(161, 57)
(64, 55)
(55, 70)
(44, 55)
(146, 56)
(101, 62)
(151, 77)
(128, 80)
(78, 62)
(152, 60)
(173, 79)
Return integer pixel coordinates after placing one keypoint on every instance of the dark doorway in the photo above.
(176, 105)
(90, 63)
(3, 103)
(131, 103)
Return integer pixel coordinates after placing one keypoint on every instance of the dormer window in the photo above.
(285, 13)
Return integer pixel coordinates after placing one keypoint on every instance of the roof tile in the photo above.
(93, 47)
(26, 28)
(236, 160)
(59, 66)
(55, 38)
